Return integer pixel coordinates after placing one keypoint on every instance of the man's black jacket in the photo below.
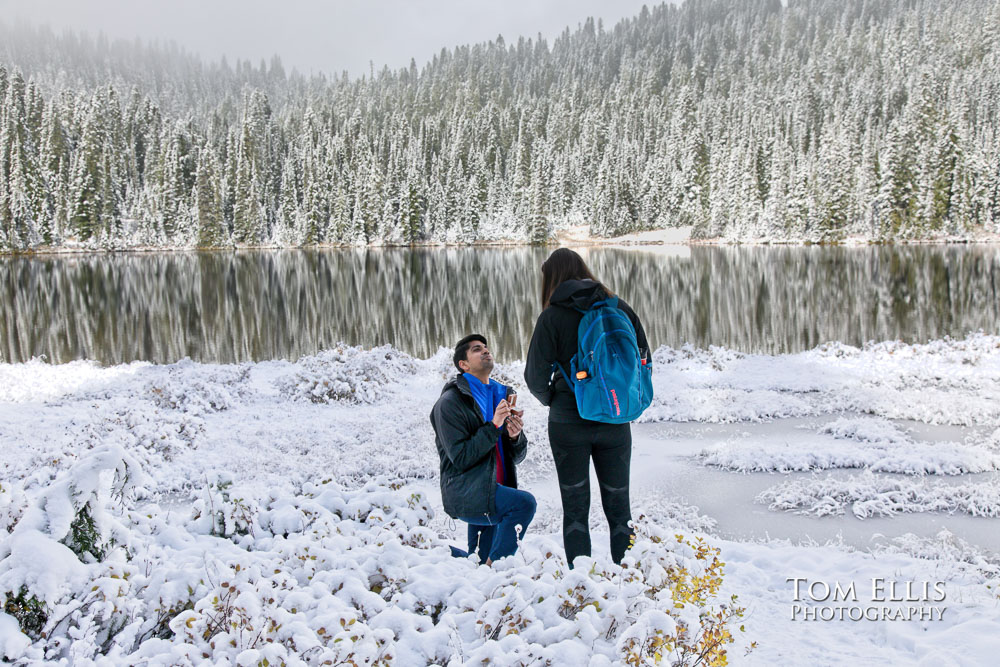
(466, 444)
(556, 339)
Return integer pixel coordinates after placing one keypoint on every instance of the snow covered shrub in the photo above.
(994, 439)
(649, 639)
(508, 613)
(185, 391)
(72, 523)
(30, 612)
(376, 503)
(692, 629)
(659, 607)
(869, 495)
(232, 614)
(272, 618)
(223, 510)
(166, 433)
(75, 509)
(12, 504)
(138, 427)
(106, 611)
(84, 538)
(351, 374)
(947, 549)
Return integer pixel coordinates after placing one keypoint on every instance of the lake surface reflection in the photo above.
(226, 307)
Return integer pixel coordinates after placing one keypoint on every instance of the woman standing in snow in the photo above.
(569, 289)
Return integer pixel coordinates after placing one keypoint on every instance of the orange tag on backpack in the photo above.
(580, 375)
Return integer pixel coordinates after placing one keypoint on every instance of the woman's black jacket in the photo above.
(556, 339)
(465, 445)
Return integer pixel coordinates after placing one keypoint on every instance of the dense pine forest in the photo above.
(819, 120)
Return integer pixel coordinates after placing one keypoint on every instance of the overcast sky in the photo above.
(328, 36)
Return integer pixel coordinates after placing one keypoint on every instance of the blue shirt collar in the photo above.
(488, 396)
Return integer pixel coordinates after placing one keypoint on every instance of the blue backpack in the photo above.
(611, 380)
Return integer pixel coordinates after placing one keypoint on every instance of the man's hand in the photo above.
(502, 412)
(515, 423)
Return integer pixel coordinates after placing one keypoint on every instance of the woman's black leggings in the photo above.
(610, 445)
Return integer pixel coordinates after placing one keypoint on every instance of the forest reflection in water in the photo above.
(254, 305)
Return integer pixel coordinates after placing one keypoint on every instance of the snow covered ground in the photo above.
(286, 511)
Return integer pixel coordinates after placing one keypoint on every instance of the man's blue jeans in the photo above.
(514, 507)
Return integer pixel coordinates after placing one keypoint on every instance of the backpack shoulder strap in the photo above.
(556, 365)
(610, 302)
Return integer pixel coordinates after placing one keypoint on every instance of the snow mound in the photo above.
(351, 375)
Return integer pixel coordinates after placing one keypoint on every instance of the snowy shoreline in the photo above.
(283, 447)
(574, 237)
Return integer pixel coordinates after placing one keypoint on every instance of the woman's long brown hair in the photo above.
(562, 265)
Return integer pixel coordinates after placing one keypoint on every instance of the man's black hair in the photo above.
(462, 348)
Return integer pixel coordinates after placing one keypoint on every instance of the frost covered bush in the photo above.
(869, 495)
(160, 433)
(950, 553)
(994, 439)
(351, 374)
(75, 509)
(693, 629)
(69, 525)
(197, 395)
(222, 510)
(12, 504)
(29, 612)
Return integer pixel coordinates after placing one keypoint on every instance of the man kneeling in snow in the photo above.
(479, 439)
